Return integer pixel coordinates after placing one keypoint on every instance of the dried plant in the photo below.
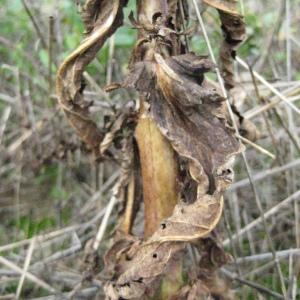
(182, 139)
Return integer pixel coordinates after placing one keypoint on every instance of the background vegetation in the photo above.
(49, 185)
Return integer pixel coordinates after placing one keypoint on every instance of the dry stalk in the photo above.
(186, 146)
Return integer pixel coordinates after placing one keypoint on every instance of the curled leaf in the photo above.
(233, 27)
(234, 31)
(249, 131)
(228, 6)
(191, 114)
(101, 18)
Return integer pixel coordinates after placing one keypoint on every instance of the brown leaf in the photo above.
(212, 258)
(208, 284)
(111, 87)
(89, 14)
(228, 6)
(189, 111)
(249, 131)
(197, 290)
(101, 18)
(191, 114)
(148, 262)
(234, 31)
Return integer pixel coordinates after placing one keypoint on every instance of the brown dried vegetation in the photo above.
(185, 143)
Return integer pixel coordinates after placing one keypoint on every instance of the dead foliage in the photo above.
(190, 112)
(101, 19)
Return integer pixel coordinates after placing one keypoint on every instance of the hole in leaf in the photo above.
(226, 172)
(236, 22)
(233, 54)
(128, 258)
(156, 16)
(154, 255)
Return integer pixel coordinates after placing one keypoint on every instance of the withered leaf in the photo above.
(196, 290)
(234, 31)
(101, 18)
(147, 265)
(248, 130)
(233, 27)
(228, 6)
(205, 280)
(191, 114)
(189, 111)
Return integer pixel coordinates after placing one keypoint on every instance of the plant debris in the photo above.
(189, 111)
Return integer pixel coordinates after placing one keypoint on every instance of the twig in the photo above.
(54, 234)
(25, 268)
(104, 222)
(249, 233)
(34, 23)
(29, 276)
(293, 39)
(265, 117)
(268, 85)
(292, 277)
(291, 123)
(8, 297)
(264, 174)
(251, 284)
(242, 7)
(257, 147)
(268, 39)
(98, 194)
(235, 212)
(8, 99)
(128, 215)
(110, 63)
(27, 134)
(268, 255)
(183, 24)
(4, 120)
(288, 40)
(58, 255)
(233, 246)
(95, 86)
(294, 138)
(259, 270)
(273, 102)
(50, 53)
(39, 238)
(277, 84)
(265, 216)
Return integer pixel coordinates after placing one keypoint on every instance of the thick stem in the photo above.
(159, 174)
(158, 164)
(148, 8)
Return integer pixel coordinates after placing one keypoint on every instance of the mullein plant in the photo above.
(177, 151)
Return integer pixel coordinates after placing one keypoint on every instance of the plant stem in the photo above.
(159, 165)
(159, 172)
